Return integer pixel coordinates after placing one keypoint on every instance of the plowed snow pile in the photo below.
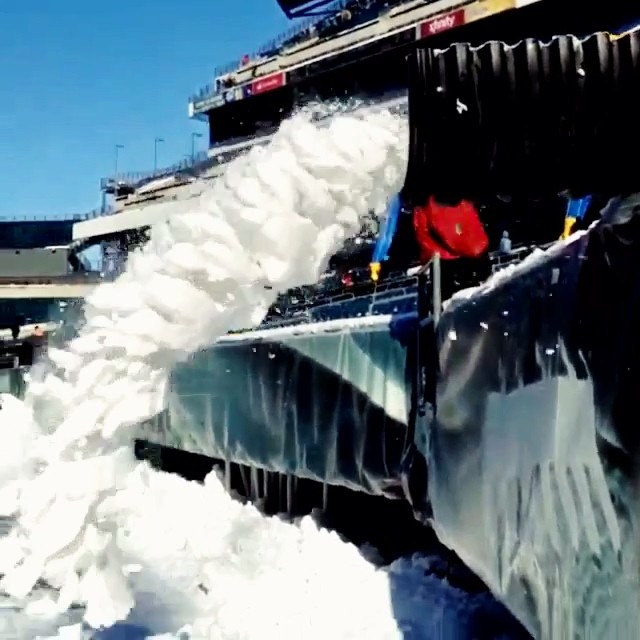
(227, 572)
(97, 525)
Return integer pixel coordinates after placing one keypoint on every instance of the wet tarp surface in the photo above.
(326, 402)
(533, 452)
(532, 447)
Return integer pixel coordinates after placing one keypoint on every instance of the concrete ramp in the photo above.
(136, 217)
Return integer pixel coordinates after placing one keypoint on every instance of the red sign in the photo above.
(442, 23)
(267, 84)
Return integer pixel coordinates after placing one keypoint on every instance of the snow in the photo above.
(536, 257)
(202, 565)
(86, 510)
(94, 536)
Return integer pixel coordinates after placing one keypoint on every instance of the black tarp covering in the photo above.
(533, 451)
(536, 118)
(326, 402)
(533, 454)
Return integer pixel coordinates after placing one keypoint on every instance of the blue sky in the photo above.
(79, 76)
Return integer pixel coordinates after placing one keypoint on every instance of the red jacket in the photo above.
(453, 232)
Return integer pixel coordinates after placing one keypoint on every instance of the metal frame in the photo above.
(414, 471)
(436, 288)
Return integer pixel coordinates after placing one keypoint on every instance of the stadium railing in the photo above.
(345, 14)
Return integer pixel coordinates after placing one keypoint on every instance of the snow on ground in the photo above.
(129, 543)
(270, 223)
(199, 561)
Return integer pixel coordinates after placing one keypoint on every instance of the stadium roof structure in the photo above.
(306, 8)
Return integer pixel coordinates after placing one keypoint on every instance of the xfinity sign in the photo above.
(442, 23)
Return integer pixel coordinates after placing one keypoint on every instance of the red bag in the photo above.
(453, 232)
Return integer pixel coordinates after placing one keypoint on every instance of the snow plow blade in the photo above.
(533, 452)
(532, 119)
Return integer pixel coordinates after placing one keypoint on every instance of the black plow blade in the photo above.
(534, 452)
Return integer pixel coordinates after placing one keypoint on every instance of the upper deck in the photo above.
(360, 50)
(352, 25)
(313, 61)
(361, 58)
(358, 54)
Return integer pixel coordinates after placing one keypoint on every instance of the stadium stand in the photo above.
(342, 15)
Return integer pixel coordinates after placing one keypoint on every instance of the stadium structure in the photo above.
(405, 401)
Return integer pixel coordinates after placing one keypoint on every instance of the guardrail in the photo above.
(136, 179)
(84, 277)
(272, 46)
(226, 151)
(501, 260)
(269, 48)
(395, 294)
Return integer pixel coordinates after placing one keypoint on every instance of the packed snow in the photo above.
(95, 536)
(226, 571)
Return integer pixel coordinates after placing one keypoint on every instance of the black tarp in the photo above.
(533, 454)
(325, 402)
(537, 118)
(532, 447)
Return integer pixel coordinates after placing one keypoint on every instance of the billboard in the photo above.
(268, 83)
(442, 23)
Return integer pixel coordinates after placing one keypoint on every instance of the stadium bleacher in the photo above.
(203, 162)
(342, 16)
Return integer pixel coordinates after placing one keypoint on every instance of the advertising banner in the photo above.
(442, 23)
(269, 83)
